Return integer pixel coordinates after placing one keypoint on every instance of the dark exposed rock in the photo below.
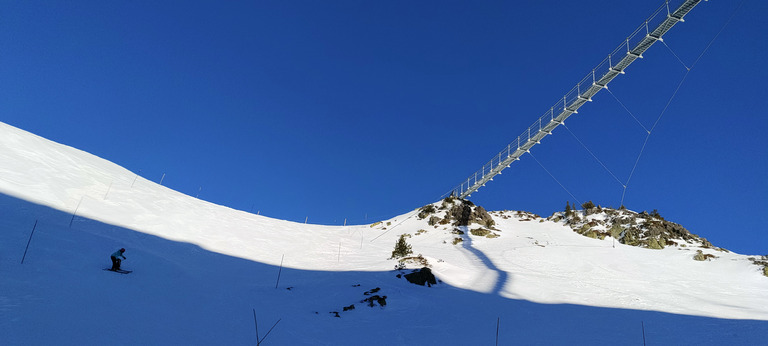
(481, 216)
(460, 213)
(426, 211)
(463, 215)
(421, 277)
(373, 300)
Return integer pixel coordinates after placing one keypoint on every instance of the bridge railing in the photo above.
(606, 66)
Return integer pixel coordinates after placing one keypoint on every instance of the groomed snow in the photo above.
(202, 270)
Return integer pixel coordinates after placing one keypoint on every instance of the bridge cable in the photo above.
(593, 155)
(688, 70)
(718, 33)
(627, 109)
(413, 213)
(553, 177)
(634, 167)
(678, 58)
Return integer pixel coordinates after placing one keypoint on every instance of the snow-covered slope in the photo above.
(203, 272)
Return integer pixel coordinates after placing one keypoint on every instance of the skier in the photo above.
(116, 260)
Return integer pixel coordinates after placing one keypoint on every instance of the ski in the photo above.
(119, 271)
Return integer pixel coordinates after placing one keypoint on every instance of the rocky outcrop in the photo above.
(648, 230)
(762, 261)
(421, 277)
(426, 211)
(464, 214)
(456, 212)
(701, 256)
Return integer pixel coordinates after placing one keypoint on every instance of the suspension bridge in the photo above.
(651, 31)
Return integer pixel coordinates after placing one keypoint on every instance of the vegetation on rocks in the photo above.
(701, 256)
(763, 261)
(483, 232)
(419, 261)
(648, 230)
(426, 211)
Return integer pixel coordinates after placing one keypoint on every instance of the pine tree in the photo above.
(568, 210)
(402, 248)
(587, 205)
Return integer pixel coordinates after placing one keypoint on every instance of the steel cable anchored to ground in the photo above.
(632, 48)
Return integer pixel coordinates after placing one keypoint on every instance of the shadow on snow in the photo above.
(181, 293)
(502, 276)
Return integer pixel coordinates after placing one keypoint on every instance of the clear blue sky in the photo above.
(365, 110)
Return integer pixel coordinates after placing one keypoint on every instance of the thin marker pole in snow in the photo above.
(29, 241)
(497, 331)
(642, 324)
(109, 188)
(279, 271)
(305, 220)
(75, 213)
(134, 179)
(269, 331)
(345, 221)
(161, 179)
(257, 326)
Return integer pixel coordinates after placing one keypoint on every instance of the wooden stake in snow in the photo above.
(29, 241)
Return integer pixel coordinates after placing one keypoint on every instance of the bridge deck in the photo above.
(662, 20)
